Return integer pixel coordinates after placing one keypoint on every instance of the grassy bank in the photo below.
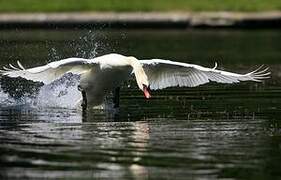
(138, 5)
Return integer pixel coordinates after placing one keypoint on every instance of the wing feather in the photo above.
(165, 73)
(51, 71)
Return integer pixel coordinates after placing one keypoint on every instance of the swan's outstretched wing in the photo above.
(51, 71)
(165, 73)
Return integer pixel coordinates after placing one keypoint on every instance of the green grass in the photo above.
(137, 5)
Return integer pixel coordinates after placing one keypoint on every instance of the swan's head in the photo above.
(141, 77)
(146, 91)
(143, 83)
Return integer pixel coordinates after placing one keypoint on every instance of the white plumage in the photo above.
(102, 74)
(166, 73)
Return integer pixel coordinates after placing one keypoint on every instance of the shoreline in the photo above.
(139, 20)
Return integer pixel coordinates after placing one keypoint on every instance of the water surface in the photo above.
(208, 132)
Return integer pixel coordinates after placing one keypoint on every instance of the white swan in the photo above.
(102, 74)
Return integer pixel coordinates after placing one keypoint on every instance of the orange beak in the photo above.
(146, 92)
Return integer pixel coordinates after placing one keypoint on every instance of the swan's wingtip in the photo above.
(216, 65)
(260, 74)
(20, 65)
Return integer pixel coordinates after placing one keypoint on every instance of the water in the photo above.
(209, 132)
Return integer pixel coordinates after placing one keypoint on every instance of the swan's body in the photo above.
(99, 81)
(102, 74)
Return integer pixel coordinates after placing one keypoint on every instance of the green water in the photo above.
(208, 132)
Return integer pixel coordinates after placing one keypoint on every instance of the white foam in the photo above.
(62, 93)
(5, 100)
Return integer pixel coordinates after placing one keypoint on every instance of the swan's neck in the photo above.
(139, 72)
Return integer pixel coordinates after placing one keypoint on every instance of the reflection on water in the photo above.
(56, 144)
(212, 131)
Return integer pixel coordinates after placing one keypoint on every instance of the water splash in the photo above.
(53, 54)
(5, 99)
(86, 46)
(62, 93)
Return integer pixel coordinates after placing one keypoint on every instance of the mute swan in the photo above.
(102, 74)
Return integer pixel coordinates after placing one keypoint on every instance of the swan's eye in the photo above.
(146, 87)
